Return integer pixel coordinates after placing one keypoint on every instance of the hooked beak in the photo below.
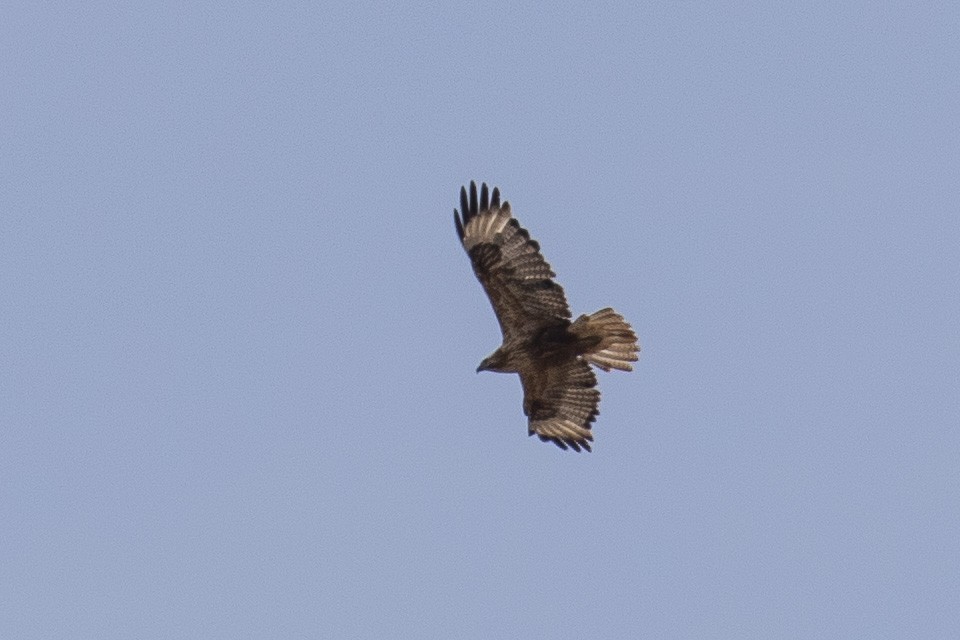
(483, 366)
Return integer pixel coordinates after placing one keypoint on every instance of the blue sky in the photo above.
(237, 388)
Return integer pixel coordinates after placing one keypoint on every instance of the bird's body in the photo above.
(550, 353)
(549, 345)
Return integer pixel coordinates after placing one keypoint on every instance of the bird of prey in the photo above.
(552, 354)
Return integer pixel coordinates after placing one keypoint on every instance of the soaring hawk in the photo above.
(552, 354)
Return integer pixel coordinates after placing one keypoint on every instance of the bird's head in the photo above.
(496, 361)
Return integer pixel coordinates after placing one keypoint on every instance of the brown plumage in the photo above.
(551, 354)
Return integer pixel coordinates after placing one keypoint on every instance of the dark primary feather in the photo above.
(471, 209)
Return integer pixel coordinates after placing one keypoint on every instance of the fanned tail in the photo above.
(612, 344)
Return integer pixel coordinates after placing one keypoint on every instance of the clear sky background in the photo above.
(238, 339)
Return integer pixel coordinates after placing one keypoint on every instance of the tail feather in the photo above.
(613, 344)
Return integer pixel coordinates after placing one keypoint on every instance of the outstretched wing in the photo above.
(561, 402)
(517, 279)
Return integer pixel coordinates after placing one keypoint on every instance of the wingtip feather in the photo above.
(464, 205)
